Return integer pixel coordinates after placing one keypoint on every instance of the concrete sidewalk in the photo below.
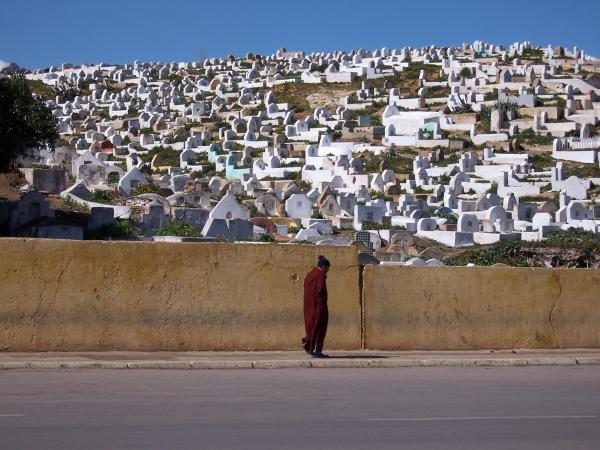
(291, 359)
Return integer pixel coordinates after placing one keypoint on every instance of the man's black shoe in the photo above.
(319, 355)
(305, 346)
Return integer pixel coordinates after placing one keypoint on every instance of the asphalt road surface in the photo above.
(412, 408)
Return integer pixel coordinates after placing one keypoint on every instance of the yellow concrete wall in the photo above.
(76, 295)
(454, 308)
(73, 295)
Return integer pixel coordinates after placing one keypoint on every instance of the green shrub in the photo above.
(485, 124)
(523, 254)
(465, 72)
(492, 95)
(102, 113)
(444, 179)
(450, 159)
(450, 217)
(507, 105)
(168, 155)
(112, 177)
(529, 136)
(493, 189)
(504, 252)
(438, 91)
(534, 54)
(102, 197)
(254, 212)
(303, 185)
(369, 225)
(463, 108)
(377, 195)
(573, 238)
(178, 228)
(121, 229)
(266, 238)
(68, 204)
(149, 188)
(539, 162)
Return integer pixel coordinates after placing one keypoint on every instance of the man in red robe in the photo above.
(316, 314)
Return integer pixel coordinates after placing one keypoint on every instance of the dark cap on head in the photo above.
(323, 262)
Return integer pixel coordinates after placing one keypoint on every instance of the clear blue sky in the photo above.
(38, 34)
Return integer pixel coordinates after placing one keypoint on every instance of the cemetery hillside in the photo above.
(481, 154)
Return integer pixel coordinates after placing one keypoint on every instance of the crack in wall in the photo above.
(41, 297)
(557, 280)
(41, 300)
(361, 300)
(59, 279)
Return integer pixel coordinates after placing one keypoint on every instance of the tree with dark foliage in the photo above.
(11, 69)
(26, 123)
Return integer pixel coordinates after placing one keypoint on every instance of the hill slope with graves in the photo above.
(479, 153)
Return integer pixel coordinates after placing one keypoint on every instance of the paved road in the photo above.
(413, 408)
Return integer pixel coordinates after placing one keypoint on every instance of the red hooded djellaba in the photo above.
(316, 313)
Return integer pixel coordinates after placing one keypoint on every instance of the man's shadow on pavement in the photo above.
(357, 357)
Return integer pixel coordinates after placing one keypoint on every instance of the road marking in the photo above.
(434, 419)
(12, 415)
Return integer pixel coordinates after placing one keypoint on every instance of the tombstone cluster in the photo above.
(459, 145)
